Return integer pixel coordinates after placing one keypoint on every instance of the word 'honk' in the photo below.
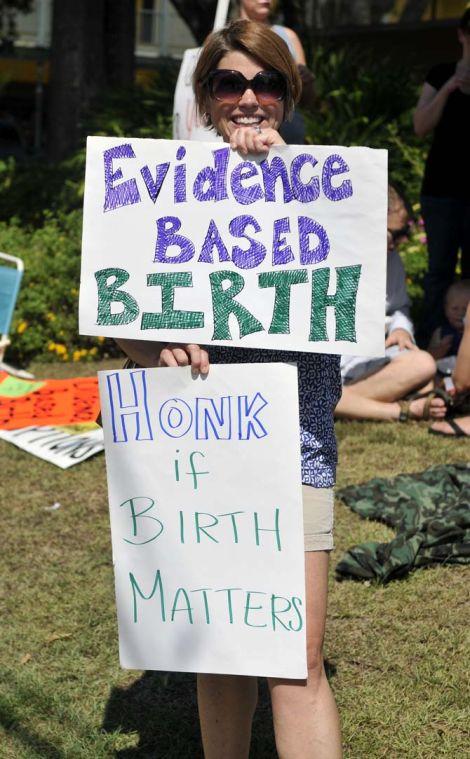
(223, 418)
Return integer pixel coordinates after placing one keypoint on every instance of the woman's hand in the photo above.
(179, 354)
(402, 338)
(148, 354)
(254, 141)
(454, 83)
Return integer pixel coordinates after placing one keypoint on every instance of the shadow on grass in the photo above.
(11, 721)
(164, 715)
(163, 712)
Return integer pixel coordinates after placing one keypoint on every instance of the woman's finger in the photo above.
(237, 140)
(181, 356)
(204, 366)
(271, 137)
(167, 358)
(199, 358)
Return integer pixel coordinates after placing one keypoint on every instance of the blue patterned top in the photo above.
(319, 392)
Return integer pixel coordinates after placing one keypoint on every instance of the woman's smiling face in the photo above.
(255, 10)
(247, 112)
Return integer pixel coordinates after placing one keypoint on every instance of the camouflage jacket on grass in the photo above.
(430, 512)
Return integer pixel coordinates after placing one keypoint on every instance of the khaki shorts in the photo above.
(318, 518)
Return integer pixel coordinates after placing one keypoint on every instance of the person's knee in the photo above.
(418, 364)
(424, 364)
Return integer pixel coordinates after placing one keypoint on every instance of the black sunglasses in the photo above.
(229, 86)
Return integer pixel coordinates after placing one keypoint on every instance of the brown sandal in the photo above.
(405, 412)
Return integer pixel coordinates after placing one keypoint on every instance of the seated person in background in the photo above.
(446, 338)
(376, 388)
(459, 388)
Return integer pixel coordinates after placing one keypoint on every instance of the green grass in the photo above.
(395, 655)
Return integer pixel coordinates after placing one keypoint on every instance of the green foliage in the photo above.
(32, 189)
(45, 322)
(414, 256)
(145, 111)
(40, 205)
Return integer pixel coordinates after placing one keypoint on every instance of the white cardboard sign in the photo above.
(206, 518)
(186, 122)
(64, 445)
(191, 242)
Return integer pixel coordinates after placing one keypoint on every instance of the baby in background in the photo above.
(445, 340)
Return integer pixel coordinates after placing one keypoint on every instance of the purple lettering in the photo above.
(246, 259)
(334, 165)
(124, 194)
(314, 255)
(167, 237)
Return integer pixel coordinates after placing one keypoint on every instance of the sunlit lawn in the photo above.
(396, 655)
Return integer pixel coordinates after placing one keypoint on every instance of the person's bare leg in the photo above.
(376, 396)
(410, 370)
(352, 405)
(306, 721)
(446, 429)
(226, 704)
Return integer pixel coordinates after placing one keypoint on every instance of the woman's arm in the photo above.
(461, 373)
(148, 354)
(297, 45)
(431, 105)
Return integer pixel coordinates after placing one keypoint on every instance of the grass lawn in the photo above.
(395, 655)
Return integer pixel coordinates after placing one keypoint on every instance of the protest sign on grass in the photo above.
(33, 403)
(191, 242)
(206, 518)
(62, 445)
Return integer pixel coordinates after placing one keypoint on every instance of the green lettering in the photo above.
(299, 615)
(249, 608)
(229, 601)
(343, 301)
(200, 528)
(282, 281)
(223, 304)
(168, 318)
(276, 530)
(157, 584)
(232, 515)
(275, 612)
(187, 608)
(109, 293)
(206, 603)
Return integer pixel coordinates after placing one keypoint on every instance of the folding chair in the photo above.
(11, 272)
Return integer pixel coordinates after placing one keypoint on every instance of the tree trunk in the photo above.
(119, 42)
(77, 69)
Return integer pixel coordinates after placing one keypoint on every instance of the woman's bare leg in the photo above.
(227, 704)
(306, 721)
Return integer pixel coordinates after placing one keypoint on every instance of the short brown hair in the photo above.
(255, 40)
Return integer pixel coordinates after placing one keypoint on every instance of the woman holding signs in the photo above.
(246, 83)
